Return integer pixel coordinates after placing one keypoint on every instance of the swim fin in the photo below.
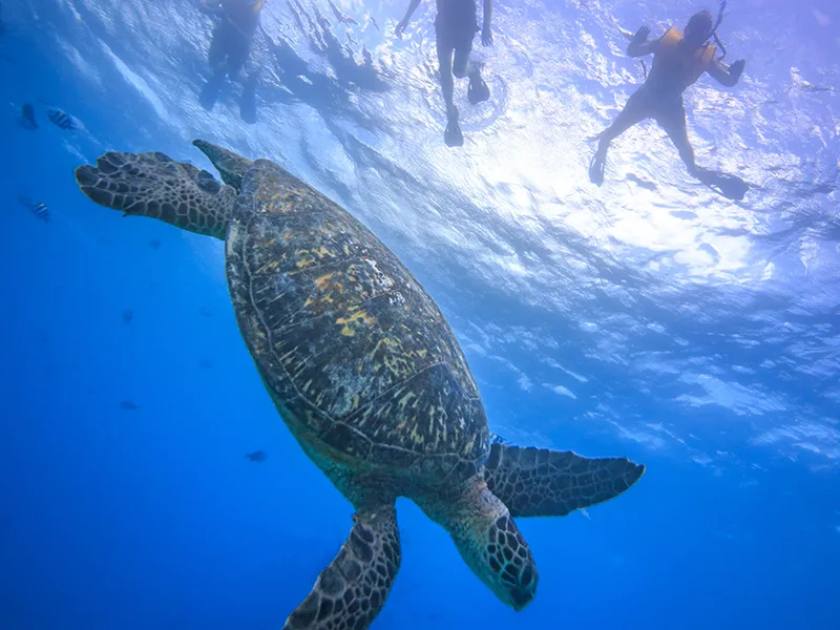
(596, 168)
(730, 186)
(453, 136)
(210, 91)
(477, 92)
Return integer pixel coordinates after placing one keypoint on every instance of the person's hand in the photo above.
(486, 35)
(400, 29)
(641, 35)
(737, 68)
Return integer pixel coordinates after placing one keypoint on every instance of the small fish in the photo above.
(257, 456)
(154, 244)
(62, 120)
(38, 208)
(127, 315)
(27, 117)
(129, 405)
(205, 311)
(205, 363)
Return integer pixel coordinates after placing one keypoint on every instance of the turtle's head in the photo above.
(487, 538)
(231, 166)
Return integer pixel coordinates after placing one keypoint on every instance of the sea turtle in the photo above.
(367, 375)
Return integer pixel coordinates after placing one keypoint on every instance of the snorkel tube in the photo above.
(714, 34)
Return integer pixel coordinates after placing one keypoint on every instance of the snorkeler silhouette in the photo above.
(678, 61)
(455, 28)
(229, 51)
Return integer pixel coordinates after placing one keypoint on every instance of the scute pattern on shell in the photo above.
(346, 339)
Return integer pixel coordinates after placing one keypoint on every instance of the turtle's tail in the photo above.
(154, 185)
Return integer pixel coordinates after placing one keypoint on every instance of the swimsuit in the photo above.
(456, 24)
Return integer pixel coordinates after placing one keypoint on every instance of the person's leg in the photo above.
(238, 54)
(477, 92)
(672, 120)
(461, 64)
(248, 100)
(216, 55)
(452, 135)
(634, 112)
(674, 123)
(463, 35)
(217, 59)
(238, 51)
(447, 86)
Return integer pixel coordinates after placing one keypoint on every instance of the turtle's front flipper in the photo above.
(154, 185)
(540, 482)
(350, 592)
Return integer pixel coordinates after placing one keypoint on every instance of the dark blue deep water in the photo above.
(649, 318)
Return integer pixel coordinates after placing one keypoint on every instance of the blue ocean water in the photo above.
(649, 318)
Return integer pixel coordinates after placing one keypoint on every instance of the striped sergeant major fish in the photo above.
(62, 120)
(38, 208)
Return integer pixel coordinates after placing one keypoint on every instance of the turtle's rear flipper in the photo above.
(540, 482)
(154, 185)
(350, 592)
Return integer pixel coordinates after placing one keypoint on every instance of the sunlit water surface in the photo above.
(650, 318)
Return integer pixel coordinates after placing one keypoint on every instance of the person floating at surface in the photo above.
(678, 61)
(230, 48)
(455, 28)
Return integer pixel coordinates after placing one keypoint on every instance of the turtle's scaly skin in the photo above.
(356, 355)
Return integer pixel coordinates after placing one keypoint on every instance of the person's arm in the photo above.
(640, 45)
(486, 31)
(724, 75)
(409, 12)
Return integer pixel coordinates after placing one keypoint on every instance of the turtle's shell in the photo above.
(357, 356)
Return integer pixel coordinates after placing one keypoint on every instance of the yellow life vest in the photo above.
(668, 54)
